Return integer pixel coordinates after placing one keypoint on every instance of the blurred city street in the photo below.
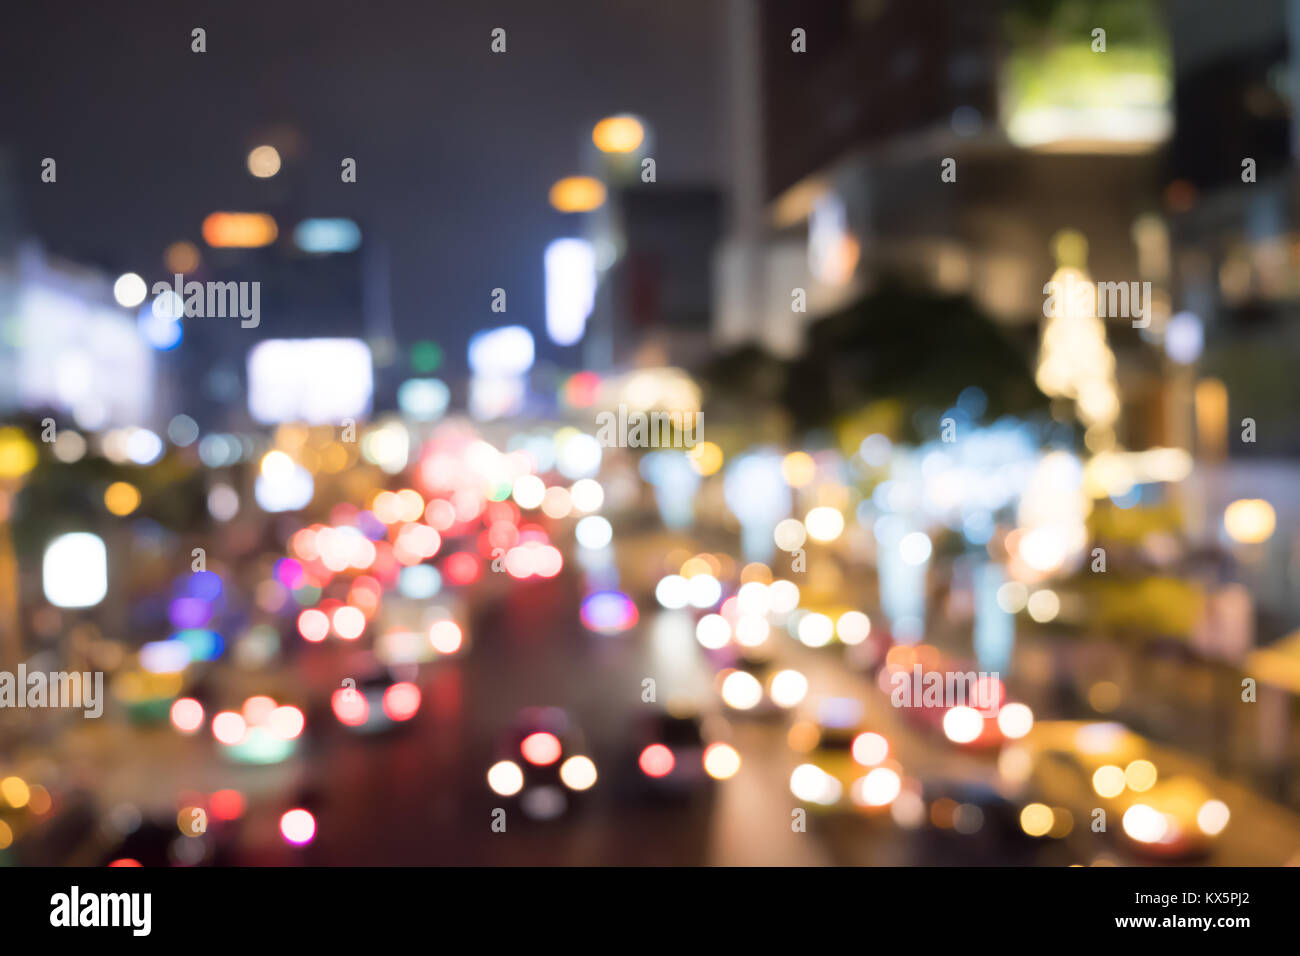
(410, 798)
(745, 433)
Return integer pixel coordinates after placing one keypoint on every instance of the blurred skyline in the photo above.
(456, 148)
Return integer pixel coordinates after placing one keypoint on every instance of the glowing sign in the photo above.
(570, 266)
(318, 381)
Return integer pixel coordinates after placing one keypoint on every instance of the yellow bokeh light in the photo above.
(618, 134)
(239, 230)
(1140, 775)
(1104, 696)
(121, 498)
(798, 469)
(505, 778)
(15, 791)
(824, 523)
(721, 761)
(1212, 817)
(706, 458)
(1108, 781)
(578, 194)
(1062, 823)
(1037, 819)
(264, 162)
(578, 773)
(1145, 824)
(1250, 520)
(191, 821)
(17, 453)
(40, 800)
(182, 257)
(803, 736)
(333, 458)
(291, 437)
(695, 565)
(410, 504)
(276, 465)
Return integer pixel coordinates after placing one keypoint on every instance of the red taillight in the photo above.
(350, 707)
(401, 701)
(541, 748)
(657, 761)
(461, 568)
(227, 804)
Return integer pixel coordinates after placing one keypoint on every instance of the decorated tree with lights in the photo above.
(1074, 360)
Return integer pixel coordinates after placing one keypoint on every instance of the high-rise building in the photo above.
(945, 142)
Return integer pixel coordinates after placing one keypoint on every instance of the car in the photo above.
(262, 732)
(543, 764)
(944, 696)
(665, 755)
(968, 823)
(846, 765)
(146, 697)
(1085, 766)
(50, 829)
(746, 688)
(378, 700)
(750, 684)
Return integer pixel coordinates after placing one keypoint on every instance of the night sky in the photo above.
(456, 147)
